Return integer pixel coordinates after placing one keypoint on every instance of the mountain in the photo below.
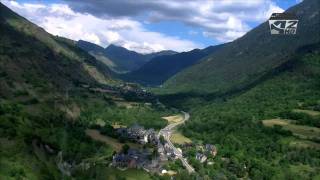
(247, 59)
(34, 60)
(161, 68)
(99, 53)
(51, 93)
(119, 59)
(241, 124)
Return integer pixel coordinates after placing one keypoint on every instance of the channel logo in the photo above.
(283, 24)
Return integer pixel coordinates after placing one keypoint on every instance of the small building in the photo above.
(133, 159)
(211, 149)
(150, 136)
(201, 157)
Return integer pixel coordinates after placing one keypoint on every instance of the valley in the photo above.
(85, 109)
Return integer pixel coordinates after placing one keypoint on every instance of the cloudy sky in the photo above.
(149, 25)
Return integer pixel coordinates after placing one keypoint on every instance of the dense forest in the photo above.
(234, 122)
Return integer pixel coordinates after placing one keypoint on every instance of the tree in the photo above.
(162, 140)
(125, 148)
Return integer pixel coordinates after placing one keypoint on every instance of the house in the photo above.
(134, 133)
(139, 134)
(201, 157)
(211, 149)
(120, 160)
(151, 137)
(169, 151)
(133, 159)
(122, 132)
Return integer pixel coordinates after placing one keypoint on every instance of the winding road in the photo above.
(166, 133)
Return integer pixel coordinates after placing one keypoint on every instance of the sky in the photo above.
(149, 26)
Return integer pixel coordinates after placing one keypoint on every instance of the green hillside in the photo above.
(245, 60)
(235, 123)
(51, 91)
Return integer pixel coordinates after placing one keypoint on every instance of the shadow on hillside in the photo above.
(178, 100)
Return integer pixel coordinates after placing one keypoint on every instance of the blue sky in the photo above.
(175, 28)
(148, 26)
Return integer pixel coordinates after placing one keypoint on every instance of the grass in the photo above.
(304, 144)
(173, 119)
(114, 143)
(100, 122)
(302, 169)
(127, 104)
(117, 125)
(98, 76)
(17, 162)
(304, 132)
(309, 112)
(178, 138)
(129, 174)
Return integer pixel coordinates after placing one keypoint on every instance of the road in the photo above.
(166, 133)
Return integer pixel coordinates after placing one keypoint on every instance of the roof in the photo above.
(210, 147)
(199, 155)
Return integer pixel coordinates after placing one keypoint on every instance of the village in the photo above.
(156, 151)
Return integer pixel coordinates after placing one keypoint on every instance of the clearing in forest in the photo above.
(173, 119)
(304, 132)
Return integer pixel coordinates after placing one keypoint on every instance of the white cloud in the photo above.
(221, 20)
(105, 22)
(60, 19)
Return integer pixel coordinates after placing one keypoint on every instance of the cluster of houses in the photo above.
(125, 89)
(132, 89)
(165, 152)
(204, 152)
(138, 134)
(134, 159)
(142, 158)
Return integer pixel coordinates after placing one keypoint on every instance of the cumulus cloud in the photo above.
(120, 21)
(60, 19)
(221, 20)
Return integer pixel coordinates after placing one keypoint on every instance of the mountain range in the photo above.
(159, 69)
(119, 59)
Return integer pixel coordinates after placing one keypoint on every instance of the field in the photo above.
(304, 144)
(309, 112)
(114, 143)
(178, 138)
(129, 174)
(304, 132)
(173, 119)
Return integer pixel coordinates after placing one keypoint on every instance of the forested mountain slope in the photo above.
(159, 69)
(51, 91)
(269, 131)
(119, 59)
(32, 57)
(248, 58)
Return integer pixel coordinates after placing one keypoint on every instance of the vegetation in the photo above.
(142, 115)
(246, 148)
(178, 138)
(47, 105)
(159, 69)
